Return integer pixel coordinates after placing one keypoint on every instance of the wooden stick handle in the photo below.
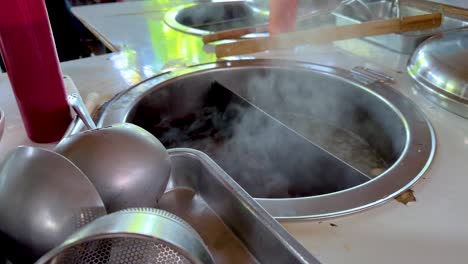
(329, 34)
(438, 7)
(233, 33)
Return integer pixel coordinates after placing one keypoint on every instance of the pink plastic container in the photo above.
(28, 49)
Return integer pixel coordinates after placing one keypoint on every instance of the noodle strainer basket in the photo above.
(140, 235)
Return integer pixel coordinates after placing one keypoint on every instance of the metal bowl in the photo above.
(305, 7)
(211, 16)
(440, 68)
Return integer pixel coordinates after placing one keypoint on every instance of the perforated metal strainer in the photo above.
(133, 236)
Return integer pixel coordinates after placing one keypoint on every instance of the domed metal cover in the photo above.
(440, 67)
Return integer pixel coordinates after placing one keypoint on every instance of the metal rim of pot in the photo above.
(420, 142)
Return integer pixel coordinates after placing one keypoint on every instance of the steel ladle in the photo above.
(128, 166)
(44, 198)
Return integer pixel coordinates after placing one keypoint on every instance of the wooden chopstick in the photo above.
(329, 34)
(438, 7)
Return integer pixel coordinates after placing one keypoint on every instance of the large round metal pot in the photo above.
(305, 140)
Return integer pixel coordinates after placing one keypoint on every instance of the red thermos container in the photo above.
(28, 50)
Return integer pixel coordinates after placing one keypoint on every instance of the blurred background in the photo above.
(72, 39)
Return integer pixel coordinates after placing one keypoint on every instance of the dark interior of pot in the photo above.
(219, 16)
(280, 133)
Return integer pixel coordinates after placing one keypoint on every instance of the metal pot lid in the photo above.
(440, 67)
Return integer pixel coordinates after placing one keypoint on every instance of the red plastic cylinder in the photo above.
(28, 49)
(283, 16)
